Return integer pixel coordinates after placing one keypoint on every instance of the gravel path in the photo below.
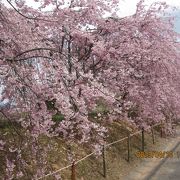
(156, 168)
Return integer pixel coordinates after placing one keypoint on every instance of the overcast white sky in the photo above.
(128, 7)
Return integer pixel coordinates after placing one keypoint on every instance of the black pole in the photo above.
(161, 129)
(153, 137)
(142, 139)
(104, 161)
(128, 145)
(73, 173)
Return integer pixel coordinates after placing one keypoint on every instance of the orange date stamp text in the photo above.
(154, 154)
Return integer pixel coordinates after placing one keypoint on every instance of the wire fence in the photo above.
(72, 165)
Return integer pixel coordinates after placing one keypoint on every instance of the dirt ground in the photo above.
(160, 168)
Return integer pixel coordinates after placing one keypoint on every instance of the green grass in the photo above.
(58, 117)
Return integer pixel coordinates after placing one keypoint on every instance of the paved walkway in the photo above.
(160, 169)
(168, 169)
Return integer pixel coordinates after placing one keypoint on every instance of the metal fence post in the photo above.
(142, 139)
(153, 137)
(128, 145)
(104, 161)
(161, 129)
(73, 173)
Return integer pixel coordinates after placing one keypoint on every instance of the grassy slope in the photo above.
(91, 168)
(116, 156)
